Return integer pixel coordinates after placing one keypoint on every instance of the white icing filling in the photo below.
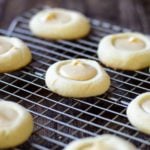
(129, 43)
(78, 70)
(96, 146)
(7, 116)
(5, 46)
(56, 17)
(146, 106)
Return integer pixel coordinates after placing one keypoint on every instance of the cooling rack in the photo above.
(60, 120)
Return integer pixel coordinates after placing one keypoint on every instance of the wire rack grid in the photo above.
(60, 120)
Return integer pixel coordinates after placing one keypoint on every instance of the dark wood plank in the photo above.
(16, 7)
(76, 5)
(134, 14)
(143, 11)
(103, 10)
(2, 9)
(128, 15)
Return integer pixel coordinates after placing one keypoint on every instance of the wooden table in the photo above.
(134, 14)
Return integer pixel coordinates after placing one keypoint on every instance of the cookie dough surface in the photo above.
(59, 23)
(77, 78)
(14, 54)
(125, 51)
(103, 142)
(16, 124)
(138, 112)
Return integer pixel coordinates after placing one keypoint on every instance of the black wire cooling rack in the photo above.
(60, 120)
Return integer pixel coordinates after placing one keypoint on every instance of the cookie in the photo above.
(138, 112)
(77, 78)
(102, 142)
(16, 124)
(125, 51)
(59, 23)
(14, 54)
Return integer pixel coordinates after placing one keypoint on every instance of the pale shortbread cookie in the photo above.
(125, 51)
(14, 54)
(59, 24)
(77, 78)
(16, 124)
(138, 112)
(102, 142)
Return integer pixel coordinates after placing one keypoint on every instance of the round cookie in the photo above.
(125, 51)
(16, 124)
(14, 54)
(138, 112)
(103, 142)
(77, 78)
(59, 24)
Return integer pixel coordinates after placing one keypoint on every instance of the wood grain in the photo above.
(134, 14)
